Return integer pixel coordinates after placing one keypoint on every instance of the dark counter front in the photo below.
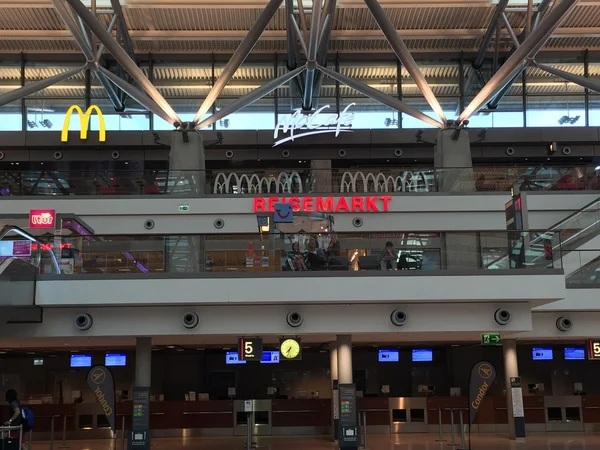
(311, 416)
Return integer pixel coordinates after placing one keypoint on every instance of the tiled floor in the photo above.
(561, 441)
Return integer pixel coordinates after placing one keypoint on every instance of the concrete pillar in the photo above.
(187, 163)
(143, 361)
(454, 173)
(187, 172)
(453, 162)
(514, 393)
(333, 364)
(321, 176)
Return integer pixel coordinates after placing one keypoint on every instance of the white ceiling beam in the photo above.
(277, 35)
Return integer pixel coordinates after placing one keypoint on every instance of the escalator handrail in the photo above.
(554, 228)
(14, 229)
(7, 262)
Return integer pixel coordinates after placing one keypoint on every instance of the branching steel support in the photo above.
(122, 27)
(123, 58)
(238, 57)
(511, 32)
(528, 49)
(135, 94)
(32, 88)
(313, 45)
(581, 81)
(403, 54)
(379, 96)
(83, 40)
(251, 97)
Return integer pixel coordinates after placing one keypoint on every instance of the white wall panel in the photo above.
(575, 300)
(547, 208)
(439, 322)
(303, 288)
(414, 212)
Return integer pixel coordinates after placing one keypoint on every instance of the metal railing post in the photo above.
(52, 433)
(123, 433)
(462, 432)
(249, 432)
(452, 433)
(440, 436)
(365, 428)
(20, 436)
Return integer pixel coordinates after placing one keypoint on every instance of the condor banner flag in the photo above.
(483, 375)
(101, 381)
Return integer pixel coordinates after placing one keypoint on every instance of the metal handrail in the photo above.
(14, 229)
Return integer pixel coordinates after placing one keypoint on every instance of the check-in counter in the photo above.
(260, 419)
(564, 413)
(408, 415)
(301, 417)
(377, 410)
(590, 406)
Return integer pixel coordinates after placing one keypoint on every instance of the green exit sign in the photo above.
(491, 339)
(184, 208)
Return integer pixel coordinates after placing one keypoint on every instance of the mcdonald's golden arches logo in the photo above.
(84, 120)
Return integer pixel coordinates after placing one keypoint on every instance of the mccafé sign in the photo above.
(42, 218)
(371, 204)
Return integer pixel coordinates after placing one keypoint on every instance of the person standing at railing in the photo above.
(387, 257)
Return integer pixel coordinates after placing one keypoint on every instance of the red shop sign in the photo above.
(42, 218)
(372, 204)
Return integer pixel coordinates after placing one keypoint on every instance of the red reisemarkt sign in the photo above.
(42, 218)
(372, 204)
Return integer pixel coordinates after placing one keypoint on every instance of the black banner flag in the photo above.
(483, 375)
(101, 381)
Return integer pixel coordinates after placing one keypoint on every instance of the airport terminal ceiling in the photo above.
(183, 48)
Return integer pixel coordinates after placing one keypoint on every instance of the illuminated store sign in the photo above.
(84, 120)
(380, 203)
(42, 218)
(315, 123)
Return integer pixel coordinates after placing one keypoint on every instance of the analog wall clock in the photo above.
(290, 348)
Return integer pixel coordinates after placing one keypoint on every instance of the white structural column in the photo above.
(514, 394)
(333, 364)
(143, 361)
(344, 357)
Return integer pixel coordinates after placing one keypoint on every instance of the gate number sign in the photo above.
(250, 349)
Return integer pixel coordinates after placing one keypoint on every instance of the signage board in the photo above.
(250, 349)
(84, 120)
(348, 424)
(16, 249)
(100, 380)
(370, 204)
(139, 436)
(594, 349)
(491, 339)
(299, 125)
(283, 213)
(184, 208)
(42, 218)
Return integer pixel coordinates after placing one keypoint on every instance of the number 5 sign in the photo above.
(250, 349)
(594, 349)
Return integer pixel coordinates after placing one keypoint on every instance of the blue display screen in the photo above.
(270, 357)
(422, 355)
(232, 358)
(574, 353)
(388, 356)
(81, 360)
(115, 360)
(542, 354)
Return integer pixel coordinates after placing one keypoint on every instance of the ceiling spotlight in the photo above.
(224, 123)
(31, 124)
(568, 120)
(390, 121)
(46, 123)
(553, 147)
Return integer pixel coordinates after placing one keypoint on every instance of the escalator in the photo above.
(17, 282)
(570, 244)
